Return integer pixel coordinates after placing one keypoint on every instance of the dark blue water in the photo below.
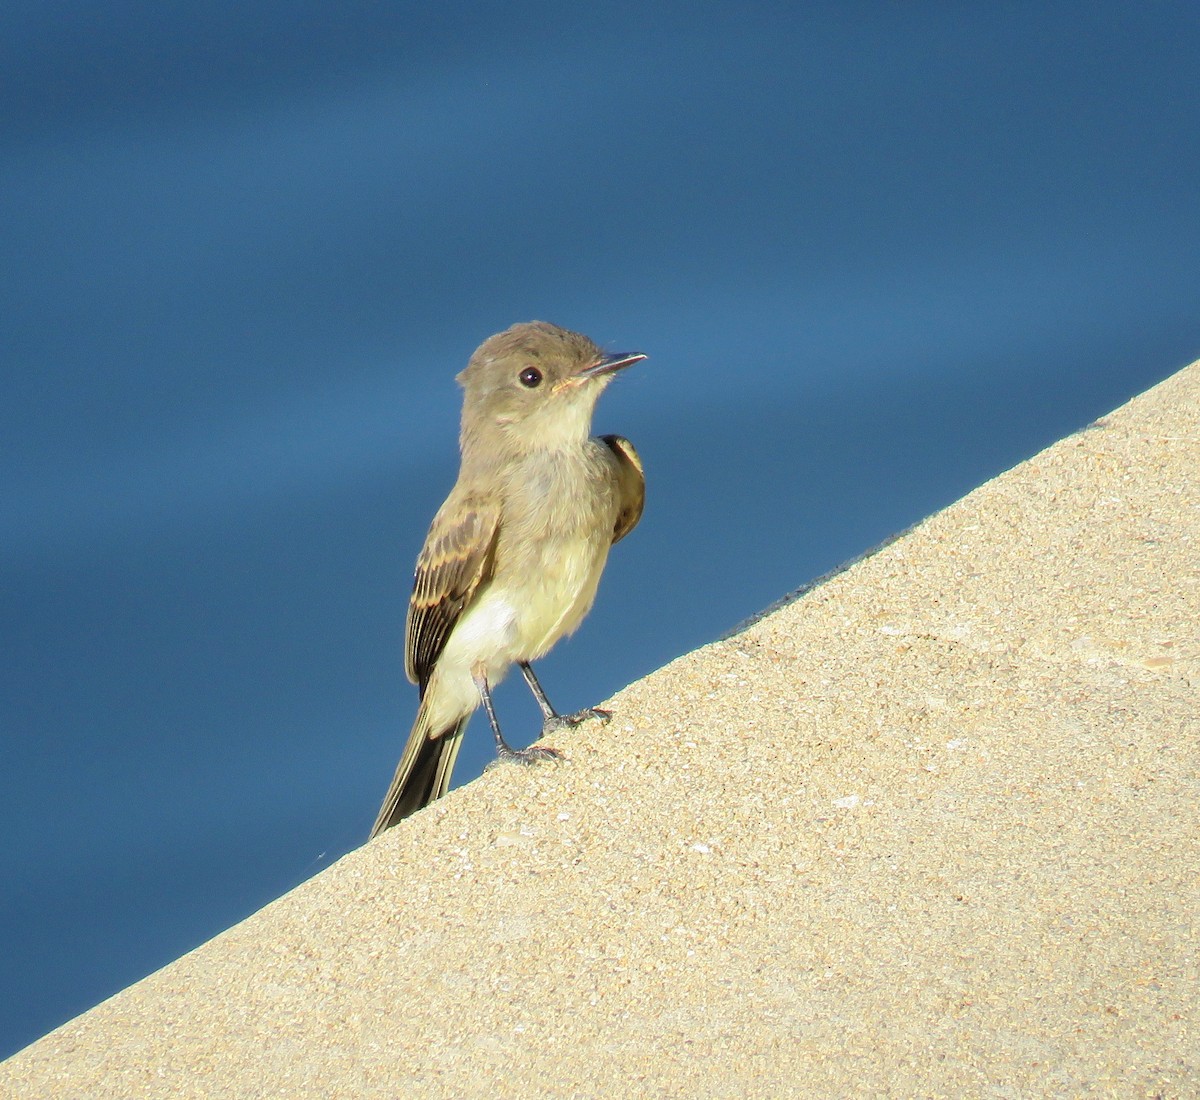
(877, 253)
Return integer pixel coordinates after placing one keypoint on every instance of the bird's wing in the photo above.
(631, 484)
(456, 559)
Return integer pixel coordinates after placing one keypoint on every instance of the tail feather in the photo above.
(423, 773)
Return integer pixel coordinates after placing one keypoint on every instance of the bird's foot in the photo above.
(535, 754)
(556, 722)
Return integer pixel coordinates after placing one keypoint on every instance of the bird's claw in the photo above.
(532, 755)
(558, 722)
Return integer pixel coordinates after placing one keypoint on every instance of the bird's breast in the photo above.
(554, 540)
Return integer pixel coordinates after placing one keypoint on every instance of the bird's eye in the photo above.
(530, 377)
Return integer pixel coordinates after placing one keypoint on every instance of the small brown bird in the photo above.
(513, 557)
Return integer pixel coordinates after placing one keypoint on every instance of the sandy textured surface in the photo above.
(931, 830)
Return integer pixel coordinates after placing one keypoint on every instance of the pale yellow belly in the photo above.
(517, 619)
(556, 603)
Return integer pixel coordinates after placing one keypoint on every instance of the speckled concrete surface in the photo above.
(932, 830)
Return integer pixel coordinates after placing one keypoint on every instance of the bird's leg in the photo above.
(504, 751)
(551, 719)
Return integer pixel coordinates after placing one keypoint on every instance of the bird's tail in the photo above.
(423, 773)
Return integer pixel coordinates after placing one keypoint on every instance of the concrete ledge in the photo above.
(931, 829)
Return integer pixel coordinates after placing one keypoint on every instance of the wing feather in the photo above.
(631, 484)
(456, 559)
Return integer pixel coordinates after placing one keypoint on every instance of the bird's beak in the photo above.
(607, 364)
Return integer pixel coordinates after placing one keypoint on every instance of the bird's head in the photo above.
(536, 385)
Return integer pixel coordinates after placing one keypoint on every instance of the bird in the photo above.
(513, 557)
